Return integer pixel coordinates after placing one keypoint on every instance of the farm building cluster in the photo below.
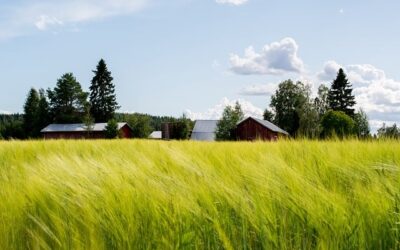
(249, 129)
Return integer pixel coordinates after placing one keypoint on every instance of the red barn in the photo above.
(251, 129)
(80, 131)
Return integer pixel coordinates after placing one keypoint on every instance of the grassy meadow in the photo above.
(185, 195)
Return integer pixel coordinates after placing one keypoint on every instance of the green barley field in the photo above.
(186, 195)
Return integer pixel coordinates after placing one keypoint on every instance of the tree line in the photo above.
(293, 109)
(68, 103)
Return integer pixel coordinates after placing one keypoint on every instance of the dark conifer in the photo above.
(340, 95)
(30, 113)
(103, 100)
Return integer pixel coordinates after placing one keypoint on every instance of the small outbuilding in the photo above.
(156, 135)
(204, 130)
(81, 131)
(251, 129)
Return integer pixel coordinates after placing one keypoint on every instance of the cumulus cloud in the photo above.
(24, 15)
(376, 93)
(232, 2)
(216, 112)
(258, 90)
(275, 59)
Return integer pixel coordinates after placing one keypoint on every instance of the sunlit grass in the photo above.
(186, 195)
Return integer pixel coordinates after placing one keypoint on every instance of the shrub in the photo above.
(337, 123)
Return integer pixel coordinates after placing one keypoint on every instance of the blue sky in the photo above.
(196, 56)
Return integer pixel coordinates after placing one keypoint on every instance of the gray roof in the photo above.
(79, 127)
(266, 124)
(156, 135)
(204, 130)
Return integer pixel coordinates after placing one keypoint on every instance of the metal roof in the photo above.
(156, 135)
(204, 130)
(266, 124)
(79, 127)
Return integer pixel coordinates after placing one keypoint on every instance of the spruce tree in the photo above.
(30, 113)
(340, 95)
(43, 112)
(103, 100)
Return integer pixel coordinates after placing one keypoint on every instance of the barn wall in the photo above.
(251, 130)
(125, 132)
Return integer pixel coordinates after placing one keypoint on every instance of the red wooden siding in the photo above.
(125, 132)
(250, 130)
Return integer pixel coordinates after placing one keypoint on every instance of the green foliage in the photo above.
(43, 111)
(286, 103)
(227, 125)
(67, 100)
(12, 127)
(340, 95)
(155, 121)
(268, 115)
(103, 100)
(309, 121)
(391, 132)
(361, 125)
(337, 123)
(181, 130)
(184, 195)
(140, 125)
(36, 113)
(88, 120)
(111, 131)
(321, 102)
(31, 107)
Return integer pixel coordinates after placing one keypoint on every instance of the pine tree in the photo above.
(43, 112)
(103, 100)
(67, 100)
(30, 113)
(340, 95)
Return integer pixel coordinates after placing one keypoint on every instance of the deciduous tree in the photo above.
(227, 125)
(286, 104)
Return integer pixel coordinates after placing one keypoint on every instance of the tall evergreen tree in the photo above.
(67, 100)
(103, 100)
(30, 113)
(43, 112)
(340, 95)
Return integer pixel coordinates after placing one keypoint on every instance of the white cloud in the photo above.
(259, 90)
(21, 17)
(276, 58)
(232, 2)
(329, 71)
(216, 112)
(45, 22)
(376, 93)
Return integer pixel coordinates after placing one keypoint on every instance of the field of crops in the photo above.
(185, 195)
